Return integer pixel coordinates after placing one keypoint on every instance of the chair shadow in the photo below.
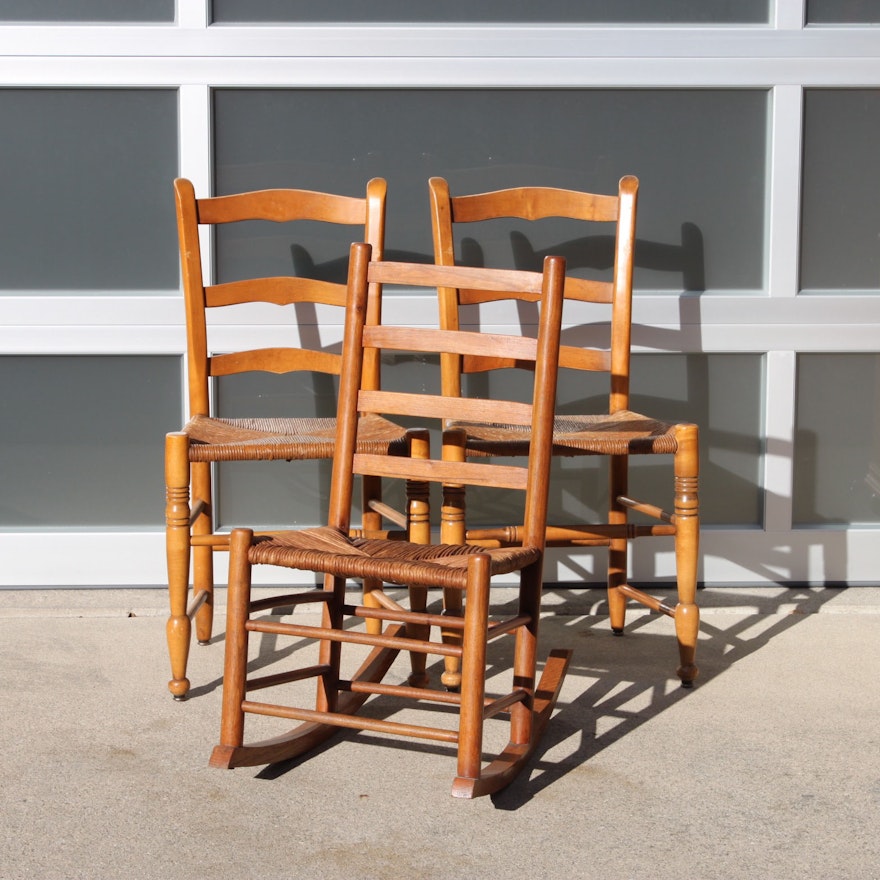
(636, 670)
(614, 685)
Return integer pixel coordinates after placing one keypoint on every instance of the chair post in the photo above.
(687, 537)
(177, 547)
(618, 550)
(371, 489)
(525, 653)
(330, 652)
(235, 657)
(473, 684)
(418, 518)
(452, 531)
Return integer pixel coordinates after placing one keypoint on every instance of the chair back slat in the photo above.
(486, 279)
(580, 289)
(436, 406)
(435, 341)
(534, 203)
(281, 206)
(569, 356)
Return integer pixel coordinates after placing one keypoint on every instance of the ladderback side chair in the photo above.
(618, 433)
(206, 439)
(336, 627)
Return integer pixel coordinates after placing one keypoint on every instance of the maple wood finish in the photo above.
(465, 570)
(205, 439)
(618, 433)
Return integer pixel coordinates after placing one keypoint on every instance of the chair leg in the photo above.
(177, 548)
(687, 538)
(453, 528)
(529, 717)
(526, 653)
(235, 657)
(371, 487)
(617, 548)
(330, 652)
(473, 678)
(203, 557)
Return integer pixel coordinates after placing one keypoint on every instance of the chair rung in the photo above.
(352, 637)
(290, 599)
(491, 705)
(401, 690)
(381, 598)
(590, 535)
(217, 541)
(501, 627)
(648, 509)
(445, 621)
(649, 601)
(388, 512)
(254, 684)
(200, 598)
(354, 722)
(420, 618)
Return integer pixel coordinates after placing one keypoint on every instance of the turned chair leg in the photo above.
(687, 538)
(177, 548)
(617, 548)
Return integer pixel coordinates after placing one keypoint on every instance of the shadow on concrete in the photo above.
(614, 685)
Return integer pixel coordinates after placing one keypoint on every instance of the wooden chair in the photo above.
(618, 434)
(206, 439)
(464, 569)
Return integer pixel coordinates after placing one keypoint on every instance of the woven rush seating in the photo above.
(623, 433)
(215, 439)
(396, 562)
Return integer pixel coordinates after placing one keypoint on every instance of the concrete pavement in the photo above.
(769, 767)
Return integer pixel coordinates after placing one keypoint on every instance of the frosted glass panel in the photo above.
(274, 493)
(586, 11)
(693, 150)
(294, 493)
(87, 10)
(722, 393)
(82, 440)
(86, 181)
(843, 11)
(837, 451)
(841, 190)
